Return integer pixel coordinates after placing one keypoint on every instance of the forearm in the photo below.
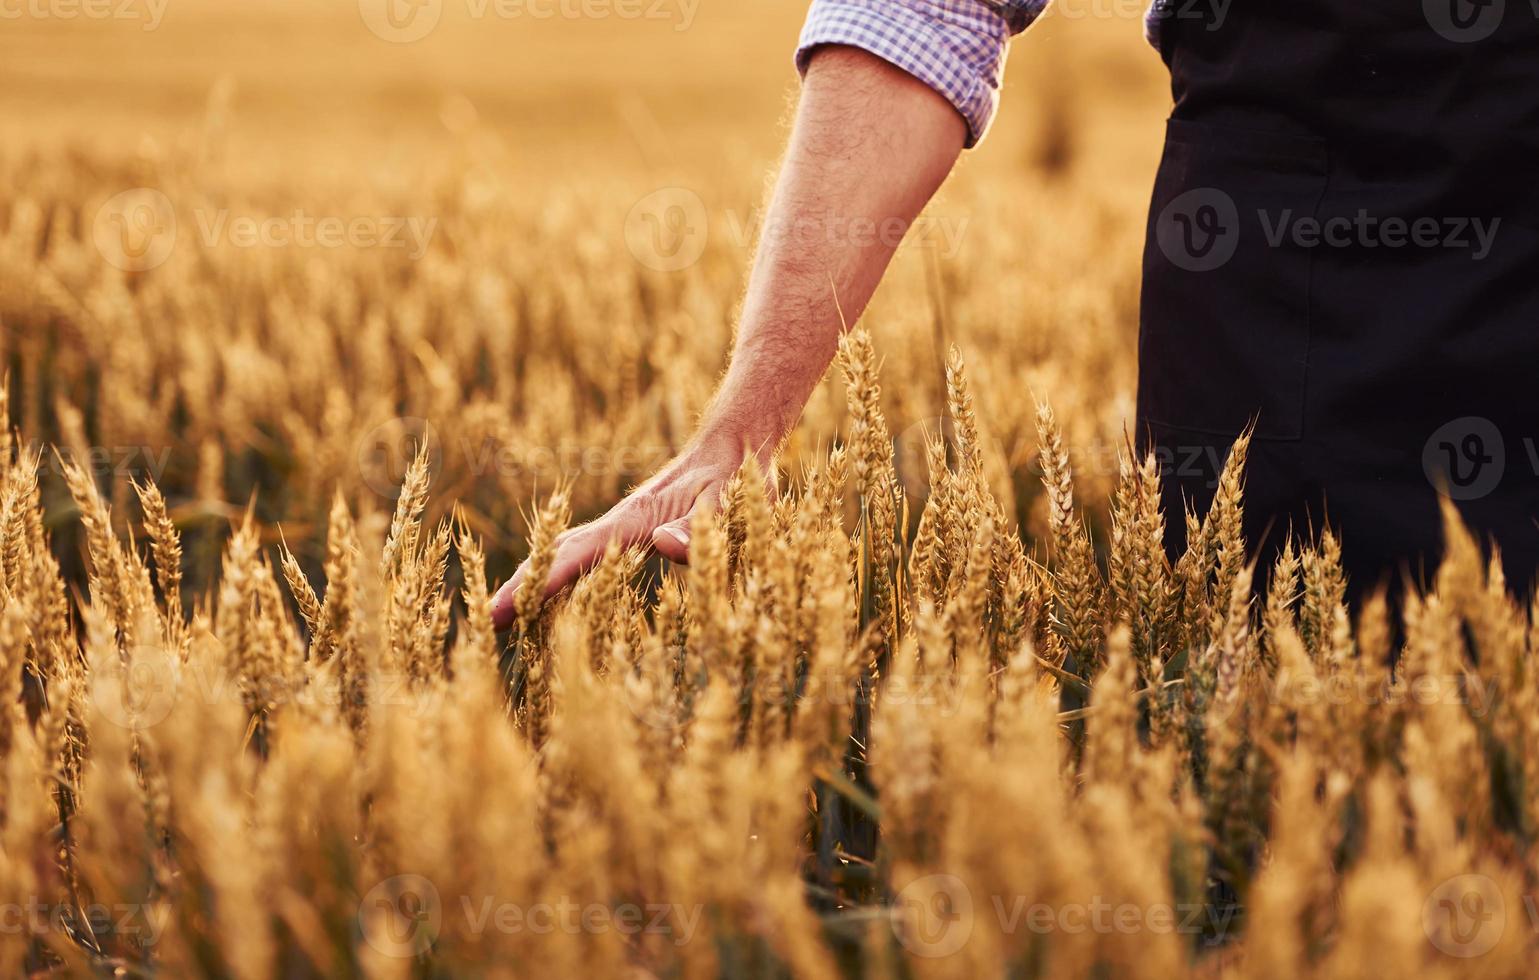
(869, 147)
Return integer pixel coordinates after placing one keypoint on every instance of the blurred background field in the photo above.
(699, 87)
(527, 144)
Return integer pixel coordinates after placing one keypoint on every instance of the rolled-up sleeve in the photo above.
(957, 47)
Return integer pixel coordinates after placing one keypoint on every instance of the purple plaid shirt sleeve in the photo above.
(957, 47)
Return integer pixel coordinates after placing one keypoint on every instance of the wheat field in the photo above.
(310, 335)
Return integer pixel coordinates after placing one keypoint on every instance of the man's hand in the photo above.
(659, 513)
(870, 145)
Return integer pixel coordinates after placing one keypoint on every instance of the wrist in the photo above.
(728, 442)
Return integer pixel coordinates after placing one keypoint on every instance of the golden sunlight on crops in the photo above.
(314, 323)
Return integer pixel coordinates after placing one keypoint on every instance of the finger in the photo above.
(502, 602)
(671, 540)
(585, 549)
(571, 548)
(576, 551)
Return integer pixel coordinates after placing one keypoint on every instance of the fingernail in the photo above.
(502, 608)
(678, 534)
(503, 599)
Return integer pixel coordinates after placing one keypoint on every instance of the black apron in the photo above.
(1343, 248)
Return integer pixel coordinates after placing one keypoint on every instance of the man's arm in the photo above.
(869, 147)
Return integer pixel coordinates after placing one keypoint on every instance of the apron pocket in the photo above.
(1224, 332)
